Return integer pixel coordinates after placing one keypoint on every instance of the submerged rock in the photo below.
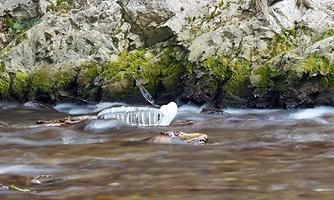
(172, 137)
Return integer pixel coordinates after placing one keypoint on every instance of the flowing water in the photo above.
(250, 154)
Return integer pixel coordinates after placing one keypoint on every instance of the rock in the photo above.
(23, 8)
(180, 138)
(70, 39)
(14, 179)
(4, 35)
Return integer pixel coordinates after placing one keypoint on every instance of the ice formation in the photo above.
(142, 116)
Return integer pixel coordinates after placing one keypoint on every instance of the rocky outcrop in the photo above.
(24, 8)
(251, 53)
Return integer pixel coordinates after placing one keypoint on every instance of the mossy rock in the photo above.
(218, 67)
(131, 67)
(237, 84)
(268, 78)
(87, 81)
(4, 81)
(4, 85)
(316, 66)
(46, 81)
(20, 85)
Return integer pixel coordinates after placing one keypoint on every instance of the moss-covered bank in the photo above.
(114, 80)
(269, 79)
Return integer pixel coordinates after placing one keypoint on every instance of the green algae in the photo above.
(281, 44)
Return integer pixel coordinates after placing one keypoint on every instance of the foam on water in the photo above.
(7, 106)
(99, 125)
(26, 169)
(190, 108)
(250, 111)
(75, 109)
(47, 136)
(312, 113)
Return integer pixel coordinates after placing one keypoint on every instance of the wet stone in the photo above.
(172, 137)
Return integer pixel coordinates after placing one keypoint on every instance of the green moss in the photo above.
(4, 85)
(41, 82)
(88, 72)
(133, 66)
(172, 67)
(87, 87)
(63, 79)
(2, 67)
(4, 81)
(239, 79)
(48, 81)
(20, 84)
(281, 43)
(218, 67)
(316, 66)
(326, 34)
(270, 78)
(263, 79)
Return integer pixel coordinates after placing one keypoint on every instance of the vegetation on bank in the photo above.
(115, 79)
(167, 69)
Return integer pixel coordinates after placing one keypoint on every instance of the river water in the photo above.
(250, 154)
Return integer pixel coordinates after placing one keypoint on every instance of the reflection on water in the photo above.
(251, 154)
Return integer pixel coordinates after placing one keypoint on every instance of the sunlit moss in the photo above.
(316, 66)
(281, 43)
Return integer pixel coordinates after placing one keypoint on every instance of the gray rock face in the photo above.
(24, 8)
(95, 33)
(229, 30)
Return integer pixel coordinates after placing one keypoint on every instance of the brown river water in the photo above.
(250, 154)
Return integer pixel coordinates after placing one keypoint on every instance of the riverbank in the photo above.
(229, 54)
